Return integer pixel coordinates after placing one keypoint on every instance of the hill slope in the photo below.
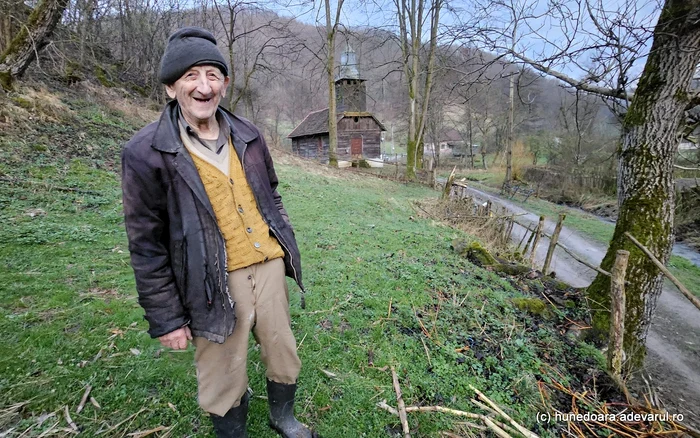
(385, 289)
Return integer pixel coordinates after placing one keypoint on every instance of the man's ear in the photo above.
(171, 91)
(227, 80)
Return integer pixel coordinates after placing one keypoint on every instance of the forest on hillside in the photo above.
(279, 61)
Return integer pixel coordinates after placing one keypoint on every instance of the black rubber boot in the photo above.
(281, 400)
(232, 425)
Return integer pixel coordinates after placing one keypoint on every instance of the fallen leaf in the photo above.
(329, 374)
(33, 212)
(135, 351)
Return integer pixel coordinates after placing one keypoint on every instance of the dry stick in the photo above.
(509, 231)
(483, 406)
(484, 418)
(580, 260)
(684, 290)
(538, 235)
(497, 430)
(524, 237)
(69, 420)
(400, 403)
(84, 399)
(131, 417)
(532, 236)
(49, 431)
(553, 243)
(495, 407)
(617, 324)
(442, 409)
(472, 425)
(145, 433)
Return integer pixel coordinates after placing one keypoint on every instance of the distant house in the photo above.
(359, 131)
(449, 143)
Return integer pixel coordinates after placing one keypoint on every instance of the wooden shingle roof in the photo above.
(316, 122)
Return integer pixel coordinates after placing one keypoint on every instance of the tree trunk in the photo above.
(32, 37)
(412, 68)
(427, 88)
(330, 70)
(471, 150)
(509, 141)
(651, 133)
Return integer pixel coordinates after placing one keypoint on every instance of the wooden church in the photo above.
(359, 132)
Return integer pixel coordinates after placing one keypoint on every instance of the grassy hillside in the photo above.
(385, 289)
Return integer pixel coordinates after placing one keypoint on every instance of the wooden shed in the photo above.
(359, 131)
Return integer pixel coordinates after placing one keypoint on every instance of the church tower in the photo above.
(350, 92)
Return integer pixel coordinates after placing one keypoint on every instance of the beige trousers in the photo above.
(261, 305)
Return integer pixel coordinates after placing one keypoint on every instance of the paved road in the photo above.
(673, 343)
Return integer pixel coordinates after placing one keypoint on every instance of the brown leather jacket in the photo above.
(177, 251)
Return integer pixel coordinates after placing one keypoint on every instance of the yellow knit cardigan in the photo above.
(247, 236)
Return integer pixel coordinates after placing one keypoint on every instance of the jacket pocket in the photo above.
(208, 290)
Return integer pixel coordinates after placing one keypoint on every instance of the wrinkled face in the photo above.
(199, 92)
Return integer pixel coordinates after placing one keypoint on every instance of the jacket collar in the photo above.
(167, 136)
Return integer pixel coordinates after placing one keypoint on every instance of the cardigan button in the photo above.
(256, 244)
(249, 230)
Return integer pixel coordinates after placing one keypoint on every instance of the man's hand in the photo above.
(177, 340)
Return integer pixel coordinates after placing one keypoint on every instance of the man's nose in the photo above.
(203, 85)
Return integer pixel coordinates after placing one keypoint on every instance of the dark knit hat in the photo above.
(187, 47)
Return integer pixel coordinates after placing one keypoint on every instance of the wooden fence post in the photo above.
(529, 240)
(538, 234)
(527, 230)
(553, 243)
(448, 184)
(509, 228)
(617, 317)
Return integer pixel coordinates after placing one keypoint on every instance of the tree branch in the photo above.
(580, 85)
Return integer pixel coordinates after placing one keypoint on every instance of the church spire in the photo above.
(348, 64)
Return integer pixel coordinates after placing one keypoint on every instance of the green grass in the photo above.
(385, 289)
(71, 318)
(686, 272)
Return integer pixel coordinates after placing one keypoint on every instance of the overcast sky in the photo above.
(538, 37)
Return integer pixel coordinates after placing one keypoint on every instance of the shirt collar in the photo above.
(224, 131)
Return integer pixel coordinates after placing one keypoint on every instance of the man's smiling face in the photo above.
(199, 92)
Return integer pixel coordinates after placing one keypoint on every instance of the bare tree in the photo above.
(31, 38)
(256, 40)
(412, 15)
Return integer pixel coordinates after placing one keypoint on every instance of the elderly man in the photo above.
(210, 240)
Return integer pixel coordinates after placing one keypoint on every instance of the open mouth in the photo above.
(202, 100)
